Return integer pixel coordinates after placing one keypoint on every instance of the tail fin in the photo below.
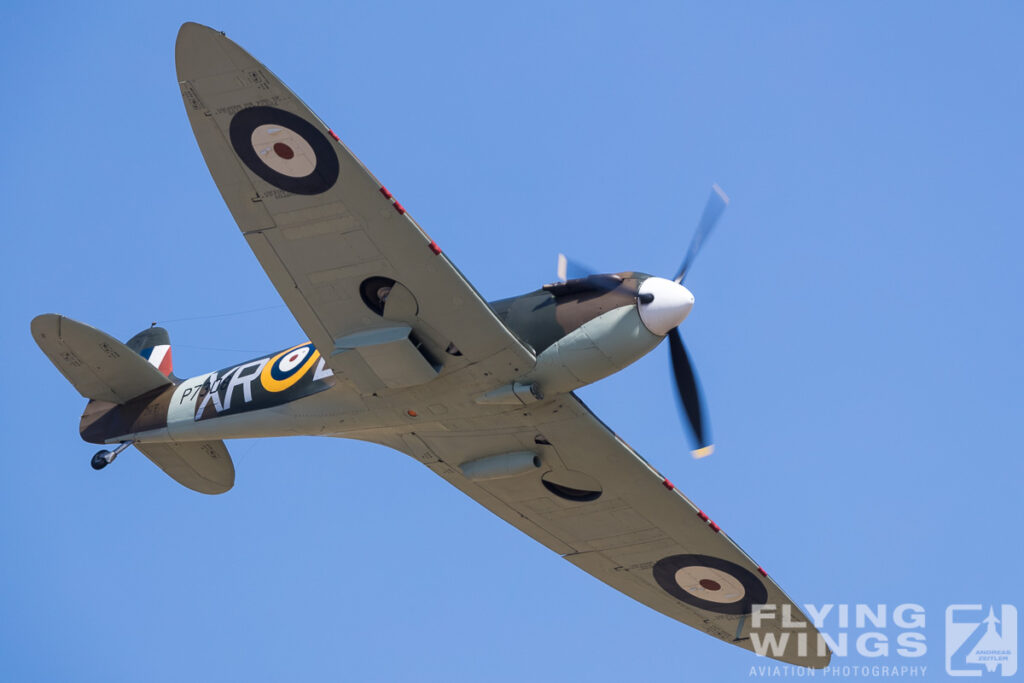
(99, 366)
(154, 344)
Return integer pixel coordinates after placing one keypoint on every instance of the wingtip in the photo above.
(720, 192)
(201, 51)
(703, 452)
(189, 33)
(47, 322)
(189, 28)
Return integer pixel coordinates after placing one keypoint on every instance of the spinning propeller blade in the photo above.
(712, 212)
(690, 397)
(569, 269)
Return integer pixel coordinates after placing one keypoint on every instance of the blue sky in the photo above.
(857, 327)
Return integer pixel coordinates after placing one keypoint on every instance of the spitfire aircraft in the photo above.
(404, 352)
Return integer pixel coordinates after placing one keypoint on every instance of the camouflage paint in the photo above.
(544, 316)
(257, 384)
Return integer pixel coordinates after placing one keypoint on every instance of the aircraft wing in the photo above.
(596, 502)
(354, 268)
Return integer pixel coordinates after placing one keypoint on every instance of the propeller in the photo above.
(569, 269)
(712, 212)
(691, 399)
(688, 391)
(584, 277)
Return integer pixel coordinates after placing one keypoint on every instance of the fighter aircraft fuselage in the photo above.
(292, 391)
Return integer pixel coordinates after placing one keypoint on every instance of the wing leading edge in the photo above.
(345, 256)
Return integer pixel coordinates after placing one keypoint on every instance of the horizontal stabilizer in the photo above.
(99, 366)
(203, 466)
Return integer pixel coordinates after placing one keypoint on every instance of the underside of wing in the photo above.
(376, 296)
(561, 476)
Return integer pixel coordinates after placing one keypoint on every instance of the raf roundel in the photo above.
(284, 149)
(288, 367)
(710, 583)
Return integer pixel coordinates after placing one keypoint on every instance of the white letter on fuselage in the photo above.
(244, 380)
(213, 393)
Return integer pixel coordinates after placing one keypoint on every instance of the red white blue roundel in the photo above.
(284, 149)
(288, 367)
(710, 583)
(287, 363)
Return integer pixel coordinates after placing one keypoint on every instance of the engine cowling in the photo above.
(594, 350)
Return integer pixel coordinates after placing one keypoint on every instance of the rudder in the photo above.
(154, 344)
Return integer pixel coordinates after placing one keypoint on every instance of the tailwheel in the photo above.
(99, 461)
(104, 458)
